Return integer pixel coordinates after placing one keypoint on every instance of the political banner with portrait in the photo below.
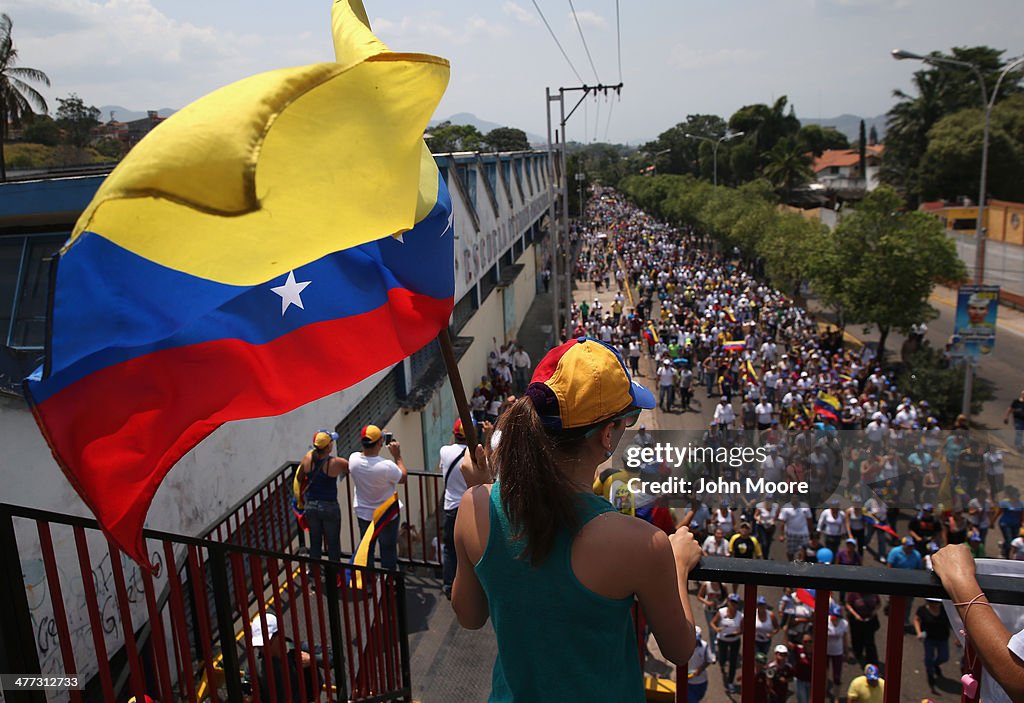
(974, 329)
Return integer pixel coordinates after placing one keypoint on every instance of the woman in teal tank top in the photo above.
(551, 563)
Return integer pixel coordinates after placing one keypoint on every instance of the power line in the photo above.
(618, 38)
(608, 124)
(584, 40)
(552, 32)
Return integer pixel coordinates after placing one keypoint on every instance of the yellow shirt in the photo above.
(862, 692)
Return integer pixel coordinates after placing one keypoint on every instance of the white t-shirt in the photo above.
(729, 628)
(795, 519)
(665, 375)
(701, 656)
(456, 484)
(374, 479)
(836, 632)
(764, 413)
(831, 524)
(716, 549)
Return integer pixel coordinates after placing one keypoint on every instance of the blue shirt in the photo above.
(900, 559)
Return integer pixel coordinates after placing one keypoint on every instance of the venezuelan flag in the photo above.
(276, 241)
(385, 513)
(734, 346)
(729, 315)
(749, 373)
(827, 405)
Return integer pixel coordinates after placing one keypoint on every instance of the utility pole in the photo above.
(562, 233)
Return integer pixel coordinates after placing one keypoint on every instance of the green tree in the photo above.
(507, 139)
(951, 165)
(817, 139)
(790, 247)
(76, 120)
(764, 125)
(926, 376)
(942, 89)
(17, 97)
(42, 130)
(685, 154)
(446, 137)
(788, 166)
(880, 264)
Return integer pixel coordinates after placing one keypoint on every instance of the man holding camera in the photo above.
(375, 479)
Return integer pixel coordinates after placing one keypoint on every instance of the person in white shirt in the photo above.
(766, 512)
(765, 410)
(832, 526)
(521, 368)
(375, 480)
(725, 416)
(794, 519)
(696, 669)
(716, 545)
(666, 385)
(455, 485)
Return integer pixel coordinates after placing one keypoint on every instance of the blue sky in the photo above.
(678, 57)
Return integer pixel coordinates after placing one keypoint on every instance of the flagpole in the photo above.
(448, 352)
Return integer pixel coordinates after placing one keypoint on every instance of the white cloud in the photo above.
(409, 32)
(687, 57)
(519, 13)
(590, 19)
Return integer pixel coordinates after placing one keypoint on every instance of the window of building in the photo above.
(468, 176)
(24, 287)
(491, 171)
(464, 310)
(487, 282)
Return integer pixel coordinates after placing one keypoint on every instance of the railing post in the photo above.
(337, 634)
(749, 623)
(217, 559)
(18, 653)
(819, 660)
(403, 634)
(894, 648)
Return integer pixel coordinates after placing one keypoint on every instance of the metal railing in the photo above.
(264, 518)
(899, 584)
(184, 633)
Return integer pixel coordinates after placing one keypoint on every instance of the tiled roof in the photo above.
(844, 157)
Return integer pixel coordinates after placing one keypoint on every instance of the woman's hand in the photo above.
(685, 549)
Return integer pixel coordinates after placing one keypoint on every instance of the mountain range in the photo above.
(123, 114)
(846, 123)
(850, 125)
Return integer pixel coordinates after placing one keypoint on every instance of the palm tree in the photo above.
(788, 166)
(17, 98)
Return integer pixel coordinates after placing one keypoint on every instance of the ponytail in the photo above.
(537, 496)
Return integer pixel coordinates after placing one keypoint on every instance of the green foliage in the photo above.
(25, 155)
(446, 137)
(506, 139)
(686, 154)
(788, 166)
(926, 375)
(764, 125)
(42, 130)
(881, 263)
(817, 139)
(76, 120)
(941, 90)
(951, 165)
(18, 99)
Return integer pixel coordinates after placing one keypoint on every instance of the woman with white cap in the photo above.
(553, 565)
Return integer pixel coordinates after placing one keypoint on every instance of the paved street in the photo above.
(1003, 365)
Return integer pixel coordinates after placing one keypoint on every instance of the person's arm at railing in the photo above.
(954, 565)
(666, 601)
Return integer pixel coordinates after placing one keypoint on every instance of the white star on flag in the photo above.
(291, 292)
(451, 222)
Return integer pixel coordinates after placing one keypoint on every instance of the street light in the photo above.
(715, 143)
(986, 103)
(979, 242)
